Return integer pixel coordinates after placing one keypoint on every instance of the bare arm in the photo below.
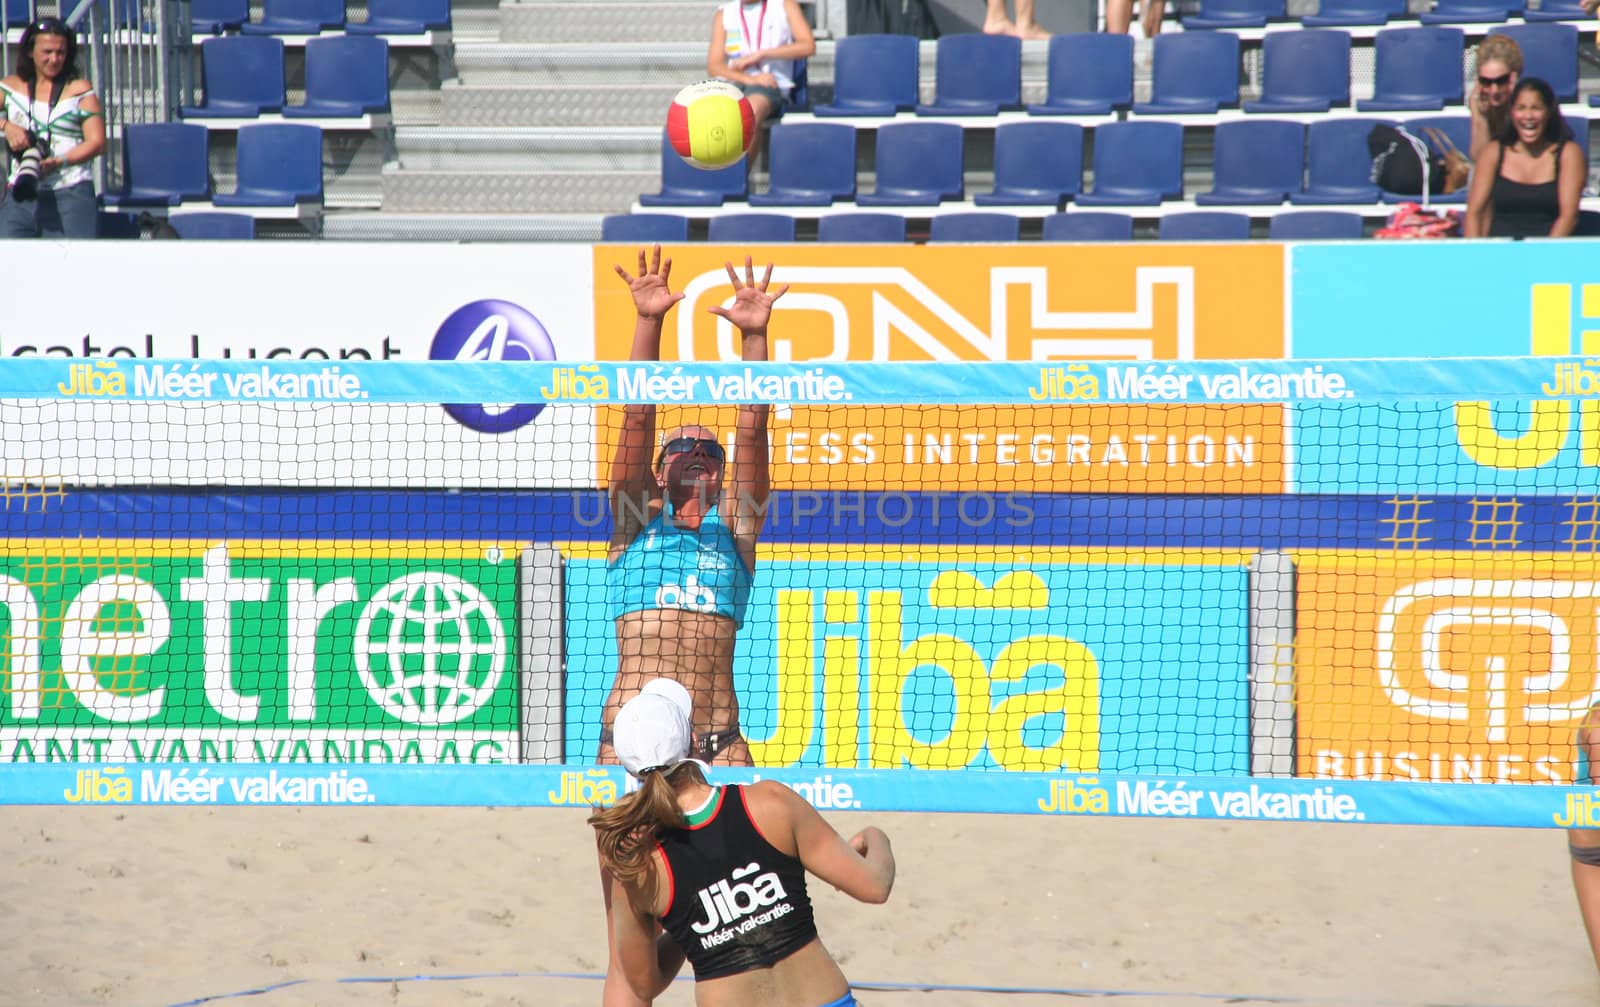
(862, 867)
(1479, 211)
(650, 959)
(633, 484)
(1574, 173)
(94, 138)
(804, 45)
(1478, 117)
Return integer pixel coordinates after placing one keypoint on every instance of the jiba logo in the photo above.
(498, 331)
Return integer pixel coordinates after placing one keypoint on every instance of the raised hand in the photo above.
(652, 295)
(752, 301)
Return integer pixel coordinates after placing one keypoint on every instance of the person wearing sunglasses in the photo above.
(54, 129)
(686, 514)
(1499, 60)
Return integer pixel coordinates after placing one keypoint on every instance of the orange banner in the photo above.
(919, 302)
(1444, 667)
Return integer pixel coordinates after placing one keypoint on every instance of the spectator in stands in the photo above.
(754, 46)
(1119, 16)
(995, 21)
(1527, 181)
(51, 111)
(1499, 67)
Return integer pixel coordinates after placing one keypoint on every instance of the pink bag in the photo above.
(1412, 221)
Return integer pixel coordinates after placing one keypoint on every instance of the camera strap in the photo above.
(56, 87)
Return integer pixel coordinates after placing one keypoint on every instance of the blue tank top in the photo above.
(695, 570)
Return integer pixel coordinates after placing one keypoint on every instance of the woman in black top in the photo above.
(717, 875)
(1528, 180)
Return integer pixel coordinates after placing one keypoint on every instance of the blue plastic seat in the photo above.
(280, 164)
(861, 227)
(1549, 50)
(873, 75)
(163, 164)
(1204, 225)
(1192, 73)
(207, 17)
(737, 228)
(976, 74)
(1092, 225)
(1417, 70)
(403, 17)
(1459, 129)
(1304, 71)
(917, 164)
(1136, 164)
(242, 77)
(1236, 14)
(1353, 13)
(347, 76)
(974, 227)
(296, 17)
(1255, 162)
(638, 228)
(1469, 11)
(1035, 164)
(1558, 10)
(682, 184)
(811, 164)
(1338, 164)
(1087, 73)
(1314, 225)
(214, 226)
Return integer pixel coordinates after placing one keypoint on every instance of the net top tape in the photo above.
(809, 383)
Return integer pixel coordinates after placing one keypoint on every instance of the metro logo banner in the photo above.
(932, 303)
(937, 659)
(257, 652)
(1446, 668)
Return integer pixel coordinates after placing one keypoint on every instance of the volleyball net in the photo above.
(1259, 589)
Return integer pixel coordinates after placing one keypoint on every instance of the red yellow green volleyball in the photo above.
(710, 124)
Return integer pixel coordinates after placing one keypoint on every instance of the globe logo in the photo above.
(492, 330)
(430, 648)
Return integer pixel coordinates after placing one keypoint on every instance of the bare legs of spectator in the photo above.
(1119, 16)
(995, 21)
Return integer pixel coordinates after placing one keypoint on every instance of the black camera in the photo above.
(26, 185)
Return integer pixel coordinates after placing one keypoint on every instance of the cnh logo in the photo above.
(733, 898)
(890, 313)
(1496, 655)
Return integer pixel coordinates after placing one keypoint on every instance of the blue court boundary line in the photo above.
(871, 987)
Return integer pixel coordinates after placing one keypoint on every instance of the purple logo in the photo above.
(492, 330)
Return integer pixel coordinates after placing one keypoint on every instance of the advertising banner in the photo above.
(918, 303)
(1444, 667)
(258, 652)
(937, 658)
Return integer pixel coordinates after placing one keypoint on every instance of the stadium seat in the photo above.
(1338, 163)
(280, 164)
(1549, 50)
(917, 164)
(736, 228)
(1087, 73)
(682, 184)
(1304, 71)
(800, 93)
(403, 17)
(1304, 225)
(1204, 225)
(1235, 14)
(861, 227)
(1459, 129)
(811, 164)
(873, 75)
(1193, 73)
(207, 17)
(214, 226)
(296, 17)
(1469, 11)
(1088, 226)
(1417, 70)
(1353, 13)
(1035, 163)
(1558, 10)
(975, 74)
(347, 76)
(644, 227)
(163, 164)
(1136, 164)
(974, 227)
(242, 77)
(1255, 162)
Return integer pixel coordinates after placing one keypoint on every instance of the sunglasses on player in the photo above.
(685, 445)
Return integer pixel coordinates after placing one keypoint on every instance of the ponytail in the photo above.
(626, 832)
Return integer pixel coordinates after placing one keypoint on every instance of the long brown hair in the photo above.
(626, 832)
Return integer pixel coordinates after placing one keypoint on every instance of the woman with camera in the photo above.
(54, 129)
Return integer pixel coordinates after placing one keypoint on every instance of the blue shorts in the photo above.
(848, 1000)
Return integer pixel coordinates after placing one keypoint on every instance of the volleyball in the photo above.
(710, 124)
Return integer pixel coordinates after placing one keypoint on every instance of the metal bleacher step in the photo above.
(566, 191)
(393, 226)
(555, 104)
(529, 149)
(551, 21)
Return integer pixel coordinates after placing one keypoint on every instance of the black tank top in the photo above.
(1523, 210)
(738, 903)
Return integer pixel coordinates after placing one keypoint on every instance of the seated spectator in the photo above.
(1528, 179)
(995, 21)
(1499, 62)
(754, 46)
(54, 128)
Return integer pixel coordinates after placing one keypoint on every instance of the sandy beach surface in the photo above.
(158, 906)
